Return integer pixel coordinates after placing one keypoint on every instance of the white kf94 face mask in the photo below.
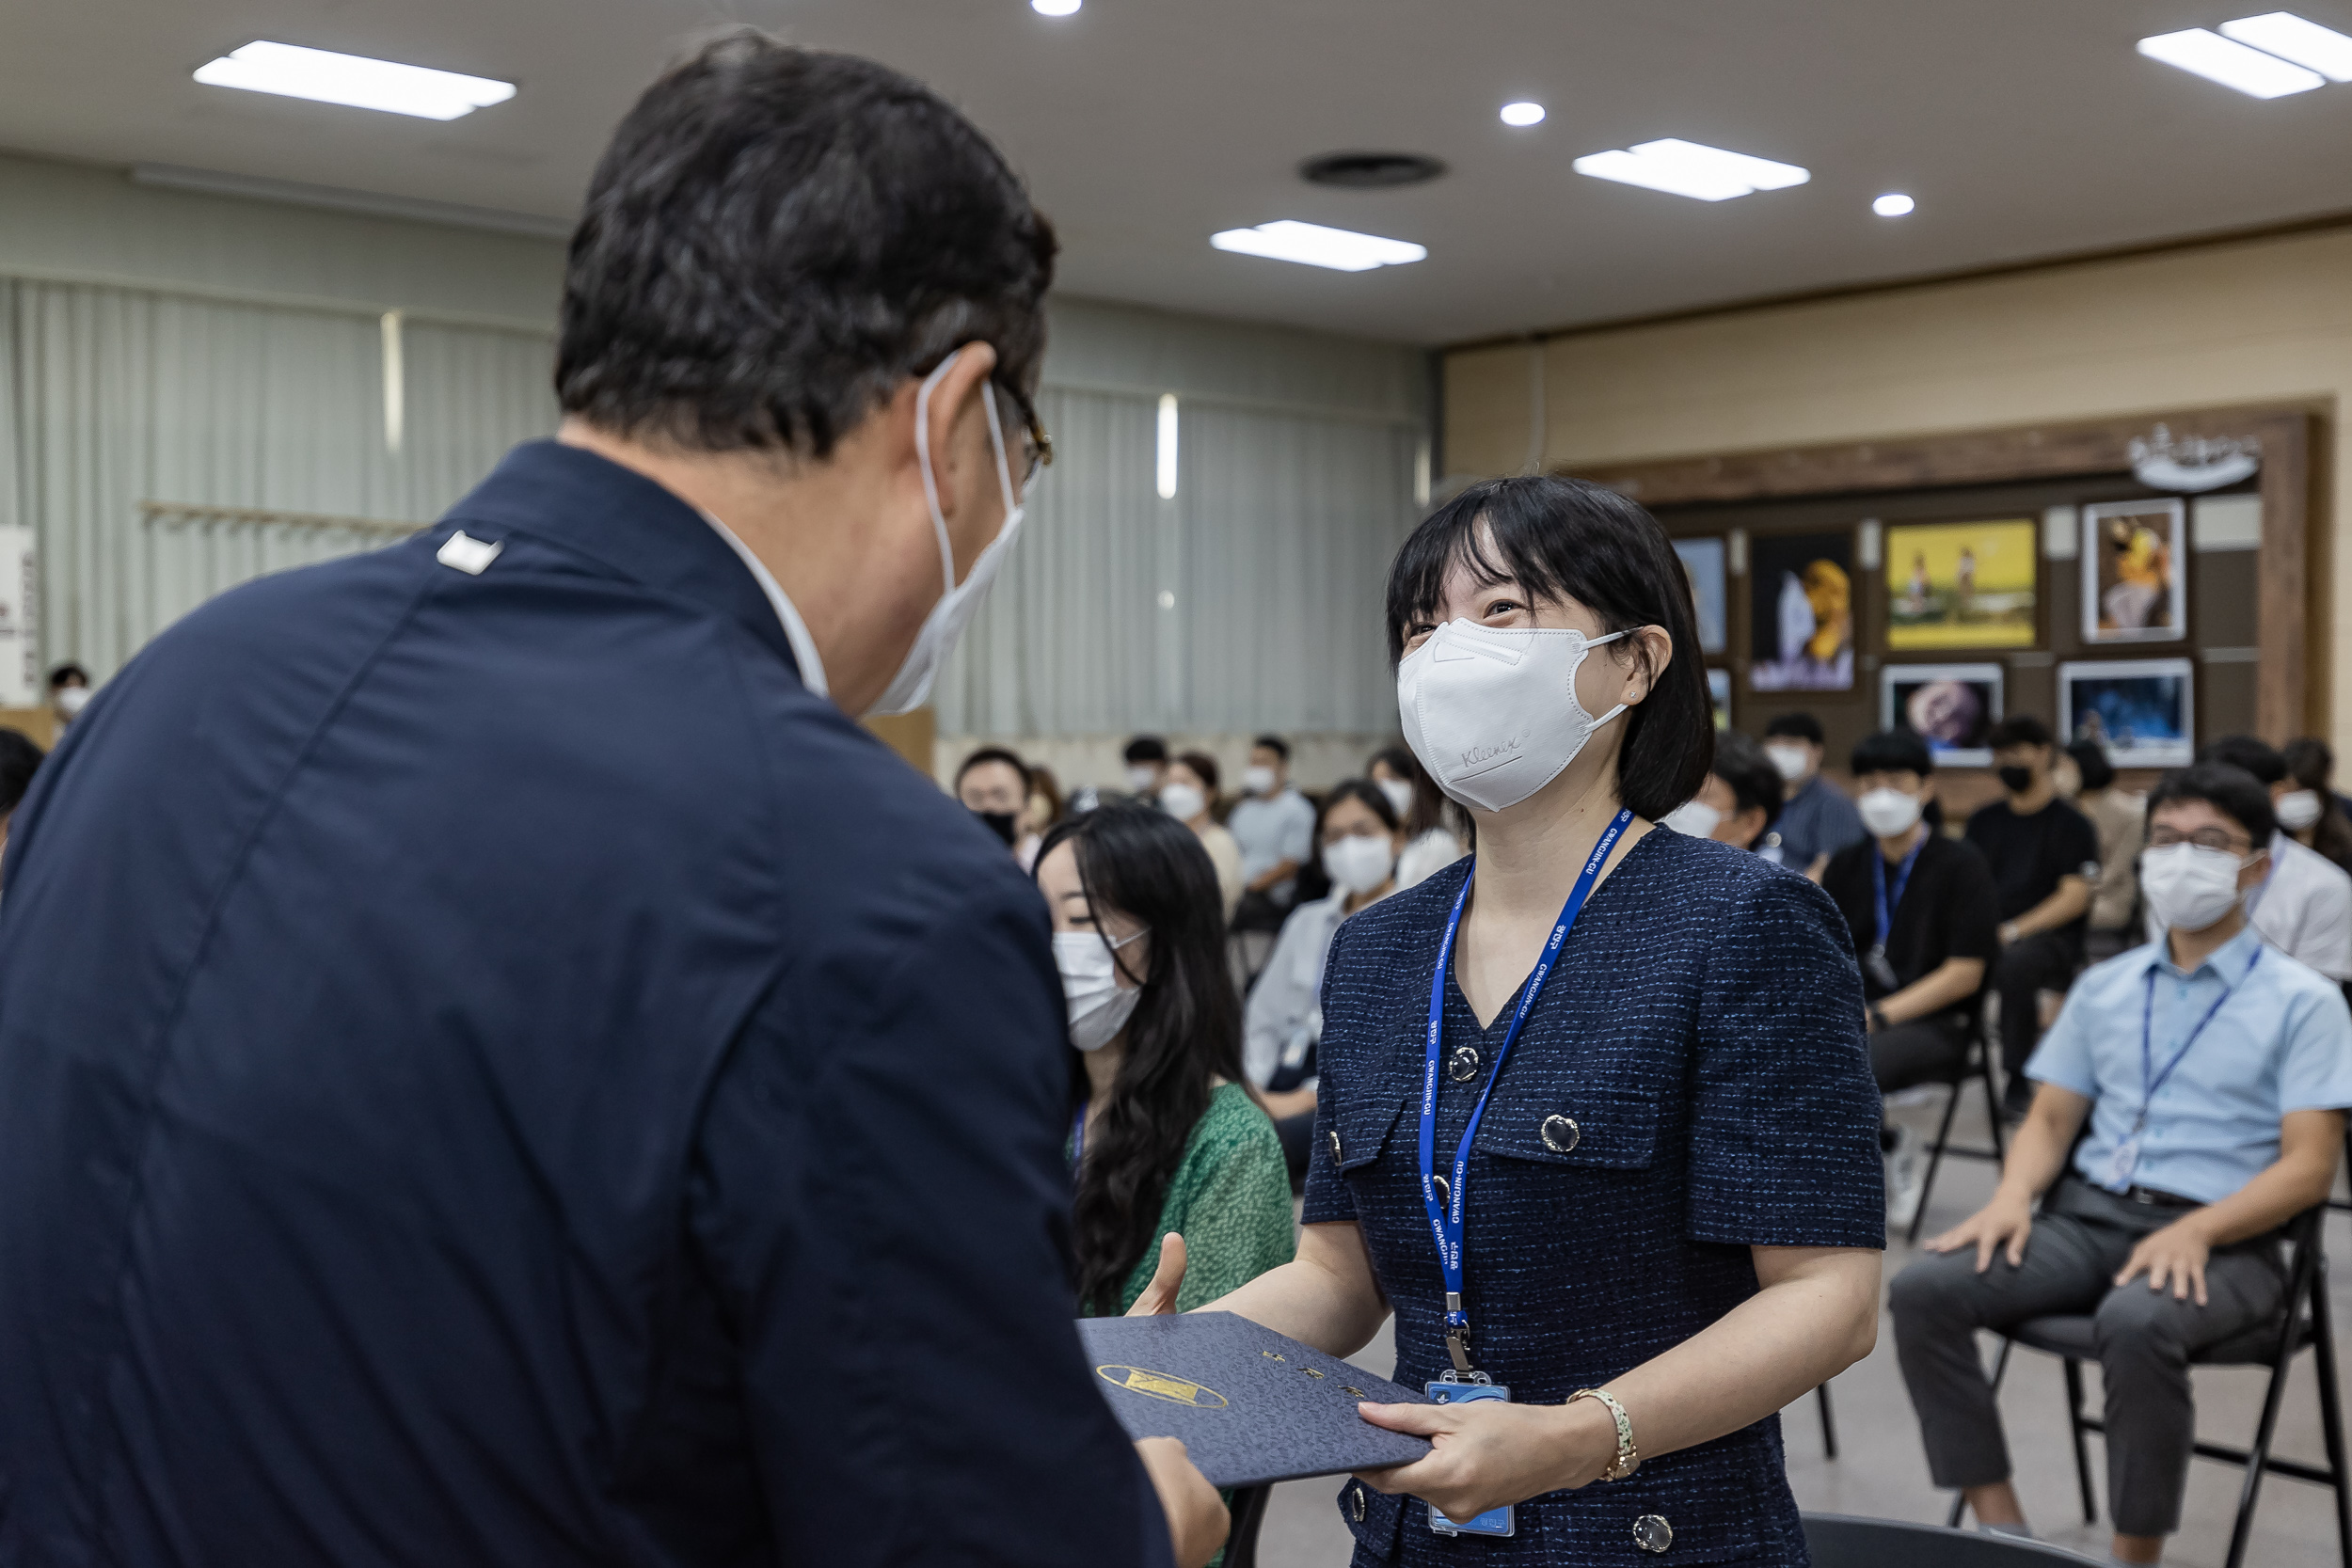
(1492, 712)
(1099, 1006)
(2188, 886)
(948, 617)
(2297, 809)
(1359, 862)
(1887, 812)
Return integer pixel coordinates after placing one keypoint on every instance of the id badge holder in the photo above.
(1495, 1521)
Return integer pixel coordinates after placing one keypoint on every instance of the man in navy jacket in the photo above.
(496, 1066)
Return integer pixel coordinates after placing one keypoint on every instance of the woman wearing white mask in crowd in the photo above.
(1739, 802)
(1430, 845)
(2308, 811)
(1165, 1136)
(1187, 795)
(1360, 841)
(1596, 1122)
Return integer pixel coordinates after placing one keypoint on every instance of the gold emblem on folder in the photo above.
(1161, 1385)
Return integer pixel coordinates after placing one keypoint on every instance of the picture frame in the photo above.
(1719, 696)
(2135, 571)
(1964, 585)
(1704, 561)
(2142, 711)
(1953, 708)
(1802, 611)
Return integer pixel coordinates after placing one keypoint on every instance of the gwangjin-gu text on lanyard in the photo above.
(1445, 1219)
(2126, 1156)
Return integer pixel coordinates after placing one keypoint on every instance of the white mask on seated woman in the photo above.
(1099, 1006)
(1359, 862)
(2297, 809)
(1492, 713)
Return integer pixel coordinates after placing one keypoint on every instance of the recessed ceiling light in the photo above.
(2207, 53)
(354, 80)
(1894, 204)
(1522, 114)
(1689, 168)
(1055, 7)
(1340, 250)
(2289, 37)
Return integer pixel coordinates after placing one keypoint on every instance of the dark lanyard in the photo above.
(2147, 1054)
(1886, 906)
(1445, 1220)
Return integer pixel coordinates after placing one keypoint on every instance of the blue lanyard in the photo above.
(2147, 1054)
(1078, 1137)
(1886, 906)
(1445, 1220)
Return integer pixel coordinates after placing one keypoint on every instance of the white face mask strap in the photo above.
(1611, 714)
(923, 461)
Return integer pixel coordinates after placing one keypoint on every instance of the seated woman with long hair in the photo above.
(1165, 1135)
(1358, 842)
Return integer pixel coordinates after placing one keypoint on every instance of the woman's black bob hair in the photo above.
(1567, 539)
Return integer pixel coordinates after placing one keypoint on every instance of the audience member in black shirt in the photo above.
(2044, 856)
(1922, 910)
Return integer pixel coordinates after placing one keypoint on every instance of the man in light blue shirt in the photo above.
(1274, 824)
(2214, 1074)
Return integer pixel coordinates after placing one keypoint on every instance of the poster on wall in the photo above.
(1801, 605)
(1961, 585)
(1703, 563)
(1719, 696)
(2140, 709)
(1953, 708)
(2133, 566)
(21, 682)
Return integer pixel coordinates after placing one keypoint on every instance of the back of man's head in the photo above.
(2247, 753)
(777, 239)
(1797, 726)
(1892, 752)
(2227, 790)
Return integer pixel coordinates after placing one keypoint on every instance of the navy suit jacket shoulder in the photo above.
(492, 1069)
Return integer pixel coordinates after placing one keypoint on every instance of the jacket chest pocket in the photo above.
(1359, 1131)
(1571, 1123)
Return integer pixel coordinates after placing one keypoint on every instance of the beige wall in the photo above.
(2265, 321)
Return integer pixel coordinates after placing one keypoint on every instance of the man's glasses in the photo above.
(2204, 838)
(1036, 447)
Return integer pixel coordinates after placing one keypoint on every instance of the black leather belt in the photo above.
(2158, 1199)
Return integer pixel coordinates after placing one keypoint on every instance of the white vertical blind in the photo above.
(117, 396)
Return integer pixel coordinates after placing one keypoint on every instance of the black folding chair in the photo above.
(1838, 1541)
(1977, 1063)
(2303, 1324)
(1247, 1510)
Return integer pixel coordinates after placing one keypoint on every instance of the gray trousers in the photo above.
(2145, 1339)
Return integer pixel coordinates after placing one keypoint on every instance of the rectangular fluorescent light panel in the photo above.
(2207, 53)
(326, 77)
(2289, 37)
(1340, 250)
(1690, 168)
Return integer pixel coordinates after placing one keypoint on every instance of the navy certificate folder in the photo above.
(1251, 1405)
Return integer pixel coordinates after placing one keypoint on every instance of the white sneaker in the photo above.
(1906, 1179)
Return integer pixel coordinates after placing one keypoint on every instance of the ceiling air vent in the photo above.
(1370, 171)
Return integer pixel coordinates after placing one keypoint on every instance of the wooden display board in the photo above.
(1809, 516)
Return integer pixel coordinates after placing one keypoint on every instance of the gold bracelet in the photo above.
(1629, 1458)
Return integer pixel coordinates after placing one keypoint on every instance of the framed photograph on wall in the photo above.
(2134, 570)
(2142, 710)
(1961, 585)
(1953, 708)
(1800, 587)
(1702, 561)
(1719, 693)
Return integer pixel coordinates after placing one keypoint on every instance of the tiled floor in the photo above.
(1882, 1472)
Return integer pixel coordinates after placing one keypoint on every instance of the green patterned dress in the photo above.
(1230, 1202)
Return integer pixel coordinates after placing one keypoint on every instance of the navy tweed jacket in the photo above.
(1703, 1031)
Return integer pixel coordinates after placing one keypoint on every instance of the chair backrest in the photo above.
(1248, 1514)
(1840, 1540)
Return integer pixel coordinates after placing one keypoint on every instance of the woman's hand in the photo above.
(1197, 1520)
(1487, 1454)
(1159, 1297)
(2004, 1224)
(2177, 1253)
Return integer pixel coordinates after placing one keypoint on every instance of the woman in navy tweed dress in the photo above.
(1669, 1216)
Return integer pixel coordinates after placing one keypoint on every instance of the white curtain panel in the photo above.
(113, 397)
(1290, 523)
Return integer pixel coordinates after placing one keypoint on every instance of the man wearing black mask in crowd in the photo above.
(2044, 856)
(993, 785)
